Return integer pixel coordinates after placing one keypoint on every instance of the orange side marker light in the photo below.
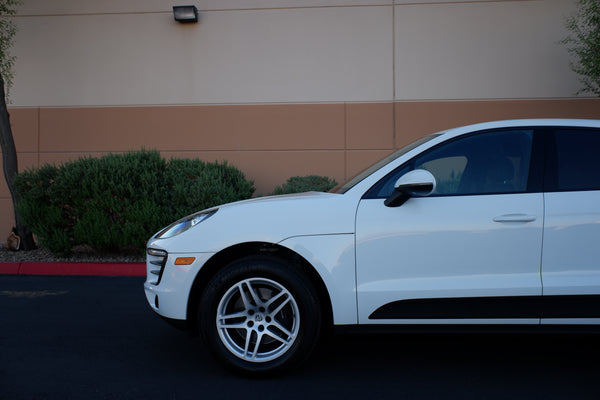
(184, 260)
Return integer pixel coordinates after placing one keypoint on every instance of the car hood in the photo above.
(281, 199)
(269, 219)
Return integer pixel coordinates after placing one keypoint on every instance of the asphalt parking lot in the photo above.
(95, 338)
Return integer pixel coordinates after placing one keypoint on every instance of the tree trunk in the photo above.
(10, 167)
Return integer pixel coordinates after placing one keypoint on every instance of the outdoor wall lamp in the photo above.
(185, 14)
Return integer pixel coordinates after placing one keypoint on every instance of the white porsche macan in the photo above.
(487, 225)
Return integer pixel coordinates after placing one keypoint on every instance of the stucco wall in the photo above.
(132, 52)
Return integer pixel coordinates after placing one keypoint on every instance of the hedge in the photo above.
(309, 183)
(118, 201)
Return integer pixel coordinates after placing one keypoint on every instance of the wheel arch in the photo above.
(230, 254)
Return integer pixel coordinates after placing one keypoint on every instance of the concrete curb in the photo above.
(70, 268)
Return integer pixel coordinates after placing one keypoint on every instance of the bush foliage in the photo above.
(309, 183)
(583, 42)
(119, 200)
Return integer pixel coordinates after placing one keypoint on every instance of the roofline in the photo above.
(592, 123)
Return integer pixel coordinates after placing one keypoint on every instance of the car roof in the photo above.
(511, 123)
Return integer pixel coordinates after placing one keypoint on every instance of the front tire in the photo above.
(260, 315)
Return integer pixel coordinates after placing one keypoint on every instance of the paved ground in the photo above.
(95, 338)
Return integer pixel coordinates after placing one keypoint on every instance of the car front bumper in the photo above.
(168, 292)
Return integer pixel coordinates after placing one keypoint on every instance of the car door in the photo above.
(571, 256)
(468, 253)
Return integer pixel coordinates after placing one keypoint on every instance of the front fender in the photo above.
(332, 256)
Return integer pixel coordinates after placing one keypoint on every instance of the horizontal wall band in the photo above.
(268, 142)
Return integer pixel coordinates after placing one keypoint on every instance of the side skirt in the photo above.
(571, 306)
(466, 329)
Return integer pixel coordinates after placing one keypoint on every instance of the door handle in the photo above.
(515, 218)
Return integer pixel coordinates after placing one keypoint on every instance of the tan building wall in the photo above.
(279, 87)
(132, 52)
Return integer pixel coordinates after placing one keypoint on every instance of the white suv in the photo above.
(490, 224)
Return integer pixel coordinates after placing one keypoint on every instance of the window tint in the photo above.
(381, 163)
(486, 163)
(578, 163)
(448, 172)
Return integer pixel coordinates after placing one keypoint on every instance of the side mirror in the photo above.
(417, 183)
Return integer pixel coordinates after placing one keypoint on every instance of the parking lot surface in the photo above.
(96, 338)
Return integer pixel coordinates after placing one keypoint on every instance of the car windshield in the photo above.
(352, 182)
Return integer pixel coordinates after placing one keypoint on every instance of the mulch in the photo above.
(80, 255)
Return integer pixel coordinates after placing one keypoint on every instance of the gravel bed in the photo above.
(79, 255)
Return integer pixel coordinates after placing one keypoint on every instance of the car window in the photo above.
(493, 162)
(362, 175)
(448, 172)
(578, 164)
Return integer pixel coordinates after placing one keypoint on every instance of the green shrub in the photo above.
(583, 43)
(309, 183)
(119, 200)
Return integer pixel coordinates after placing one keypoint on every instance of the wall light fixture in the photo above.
(185, 14)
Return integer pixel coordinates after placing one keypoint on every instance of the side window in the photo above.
(493, 162)
(448, 172)
(578, 163)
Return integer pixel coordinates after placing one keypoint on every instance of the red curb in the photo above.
(9, 268)
(58, 268)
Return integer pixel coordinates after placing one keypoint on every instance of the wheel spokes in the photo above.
(280, 307)
(280, 338)
(269, 303)
(223, 321)
(240, 288)
(249, 328)
(283, 329)
(247, 343)
(257, 300)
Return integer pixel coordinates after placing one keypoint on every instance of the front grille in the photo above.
(155, 264)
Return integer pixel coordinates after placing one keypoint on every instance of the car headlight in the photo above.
(184, 224)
